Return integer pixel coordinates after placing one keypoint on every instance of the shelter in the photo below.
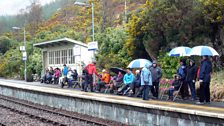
(56, 53)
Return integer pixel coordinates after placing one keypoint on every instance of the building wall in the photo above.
(53, 61)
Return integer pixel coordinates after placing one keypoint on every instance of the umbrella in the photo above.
(180, 51)
(203, 51)
(117, 70)
(138, 63)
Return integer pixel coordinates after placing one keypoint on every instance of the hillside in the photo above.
(8, 21)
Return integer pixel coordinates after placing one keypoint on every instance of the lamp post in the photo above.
(24, 50)
(84, 3)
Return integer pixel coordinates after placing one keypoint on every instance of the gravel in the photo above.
(14, 118)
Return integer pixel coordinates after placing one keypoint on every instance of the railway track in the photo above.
(1, 124)
(33, 116)
(47, 120)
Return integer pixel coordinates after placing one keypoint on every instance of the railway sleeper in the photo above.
(87, 121)
(34, 116)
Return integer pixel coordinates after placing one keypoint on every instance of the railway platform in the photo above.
(132, 111)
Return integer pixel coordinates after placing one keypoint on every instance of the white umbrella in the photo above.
(180, 51)
(203, 51)
(138, 63)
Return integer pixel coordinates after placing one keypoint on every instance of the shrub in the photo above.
(168, 64)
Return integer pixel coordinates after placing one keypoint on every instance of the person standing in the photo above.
(191, 78)
(205, 79)
(146, 81)
(182, 71)
(91, 68)
(156, 76)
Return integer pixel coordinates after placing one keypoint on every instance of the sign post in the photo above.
(77, 54)
(93, 46)
(24, 56)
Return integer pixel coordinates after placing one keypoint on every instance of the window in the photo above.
(51, 57)
(64, 56)
(57, 57)
(61, 57)
(71, 58)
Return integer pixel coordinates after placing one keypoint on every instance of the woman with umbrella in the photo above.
(191, 78)
(205, 71)
(205, 79)
(182, 71)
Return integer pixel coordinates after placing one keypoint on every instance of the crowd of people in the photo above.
(66, 76)
(139, 83)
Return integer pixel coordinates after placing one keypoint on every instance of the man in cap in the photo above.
(104, 80)
(156, 76)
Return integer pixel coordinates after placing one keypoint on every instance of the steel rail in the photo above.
(33, 116)
(1, 124)
(88, 121)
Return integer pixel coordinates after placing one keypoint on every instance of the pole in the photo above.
(26, 54)
(125, 11)
(94, 76)
(93, 19)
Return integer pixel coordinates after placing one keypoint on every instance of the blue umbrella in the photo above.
(139, 63)
(203, 51)
(180, 51)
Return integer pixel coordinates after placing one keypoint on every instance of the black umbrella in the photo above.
(117, 70)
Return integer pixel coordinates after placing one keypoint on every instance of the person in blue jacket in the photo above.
(205, 79)
(182, 71)
(146, 81)
(128, 79)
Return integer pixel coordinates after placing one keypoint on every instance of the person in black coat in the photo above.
(205, 79)
(175, 86)
(191, 78)
(182, 71)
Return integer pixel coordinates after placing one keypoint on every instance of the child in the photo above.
(175, 86)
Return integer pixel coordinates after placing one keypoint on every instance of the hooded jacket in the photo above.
(129, 78)
(146, 75)
(205, 71)
(91, 68)
(106, 78)
(156, 73)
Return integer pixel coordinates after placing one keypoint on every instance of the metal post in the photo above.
(94, 76)
(125, 11)
(26, 54)
(93, 19)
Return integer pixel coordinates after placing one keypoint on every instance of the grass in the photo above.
(217, 86)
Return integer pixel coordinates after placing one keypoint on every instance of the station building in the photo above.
(56, 53)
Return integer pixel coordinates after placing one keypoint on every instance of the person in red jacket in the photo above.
(91, 69)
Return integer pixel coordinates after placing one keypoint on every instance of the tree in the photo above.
(213, 14)
(112, 51)
(4, 44)
(164, 24)
(34, 16)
